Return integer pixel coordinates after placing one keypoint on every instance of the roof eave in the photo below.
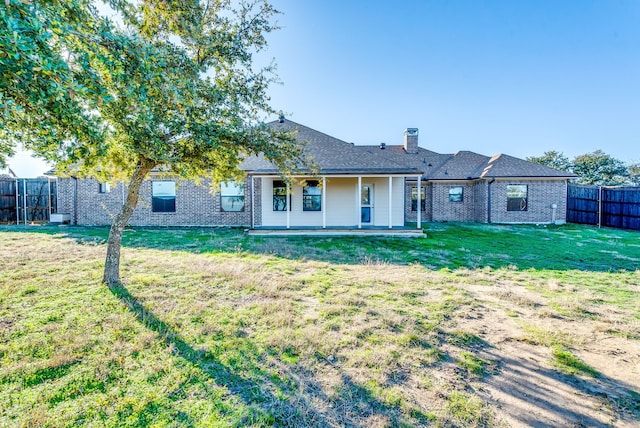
(330, 171)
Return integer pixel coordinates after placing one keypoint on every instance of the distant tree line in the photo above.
(596, 168)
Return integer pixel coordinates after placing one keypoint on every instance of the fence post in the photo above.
(599, 207)
(49, 196)
(24, 199)
(17, 203)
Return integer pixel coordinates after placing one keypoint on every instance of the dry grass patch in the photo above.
(238, 335)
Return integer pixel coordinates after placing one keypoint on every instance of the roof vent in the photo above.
(383, 146)
(281, 118)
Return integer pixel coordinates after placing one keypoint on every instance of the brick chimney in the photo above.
(411, 140)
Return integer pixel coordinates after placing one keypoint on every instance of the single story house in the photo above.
(381, 186)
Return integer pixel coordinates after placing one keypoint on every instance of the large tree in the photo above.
(45, 82)
(596, 168)
(552, 159)
(634, 173)
(171, 87)
(599, 168)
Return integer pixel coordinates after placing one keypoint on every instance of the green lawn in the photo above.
(215, 328)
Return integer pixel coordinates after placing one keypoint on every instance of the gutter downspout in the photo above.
(489, 199)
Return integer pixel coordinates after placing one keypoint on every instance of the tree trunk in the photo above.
(112, 263)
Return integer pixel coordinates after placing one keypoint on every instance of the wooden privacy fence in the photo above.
(604, 206)
(27, 200)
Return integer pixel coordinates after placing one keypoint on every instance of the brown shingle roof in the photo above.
(466, 165)
(334, 156)
(508, 166)
(424, 161)
(459, 166)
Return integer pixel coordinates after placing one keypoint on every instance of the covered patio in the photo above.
(398, 231)
(333, 203)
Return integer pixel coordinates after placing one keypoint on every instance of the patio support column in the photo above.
(419, 221)
(288, 205)
(324, 202)
(359, 202)
(390, 201)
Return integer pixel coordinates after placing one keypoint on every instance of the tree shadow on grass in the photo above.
(448, 246)
(254, 391)
(250, 393)
(263, 407)
(541, 396)
(354, 402)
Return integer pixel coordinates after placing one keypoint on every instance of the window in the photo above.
(311, 196)
(104, 188)
(163, 198)
(456, 193)
(366, 197)
(517, 197)
(365, 214)
(280, 196)
(414, 198)
(232, 197)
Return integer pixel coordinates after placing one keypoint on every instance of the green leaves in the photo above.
(173, 88)
(552, 159)
(175, 85)
(600, 168)
(38, 80)
(596, 168)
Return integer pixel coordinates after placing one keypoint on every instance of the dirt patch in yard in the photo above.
(248, 338)
(527, 388)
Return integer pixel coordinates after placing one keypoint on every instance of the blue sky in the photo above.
(515, 77)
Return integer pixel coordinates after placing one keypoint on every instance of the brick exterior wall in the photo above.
(475, 204)
(445, 210)
(66, 190)
(480, 202)
(412, 216)
(257, 197)
(195, 205)
(541, 195)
